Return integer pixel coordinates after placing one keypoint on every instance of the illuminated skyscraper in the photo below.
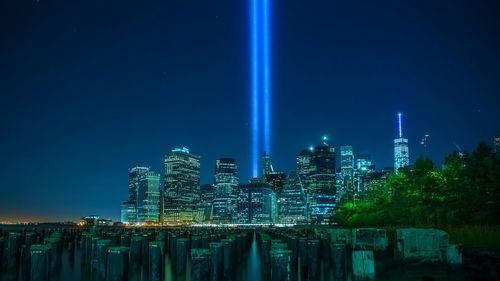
(134, 176)
(182, 185)
(401, 154)
(497, 144)
(148, 198)
(267, 166)
(144, 197)
(347, 164)
(320, 181)
(292, 201)
(256, 203)
(207, 201)
(304, 163)
(276, 180)
(226, 183)
(363, 162)
(364, 169)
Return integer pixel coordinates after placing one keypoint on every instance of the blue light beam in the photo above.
(255, 88)
(267, 78)
(261, 85)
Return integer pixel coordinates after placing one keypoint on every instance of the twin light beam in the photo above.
(261, 132)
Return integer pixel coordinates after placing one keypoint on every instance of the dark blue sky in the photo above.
(89, 89)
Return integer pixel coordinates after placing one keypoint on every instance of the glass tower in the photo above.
(226, 183)
(401, 154)
(317, 171)
(292, 201)
(142, 205)
(182, 186)
(256, 203)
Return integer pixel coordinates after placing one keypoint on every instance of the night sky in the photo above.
(89, 89)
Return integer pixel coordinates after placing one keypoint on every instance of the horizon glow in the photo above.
(260, 92)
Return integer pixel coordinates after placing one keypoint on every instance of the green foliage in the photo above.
(466, 191)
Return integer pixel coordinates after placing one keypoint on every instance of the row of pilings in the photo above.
(341, 254)
(35, 254)
(113, 254)
(216, 253)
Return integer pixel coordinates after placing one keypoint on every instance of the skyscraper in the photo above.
(207, 201)
(148, 198)
(292, 200)
(320, 181)
(256, 203)
(182, 185)
(267, 166)
(497, 144)
(347, 165)
(401, 154)
(364, 169)
(363, 162)
(276, 180)
(142, 205)
(304, 162)
(226, 183)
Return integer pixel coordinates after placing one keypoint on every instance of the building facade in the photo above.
(143, 201)
(276, 180)
(292, 201)
(181, 187)
(267, 166)
(401, 154)
(206, 202)
(347, 167)
(148, 198)
(256, 203)
(401, 151)
(226, 181)
(317, 169)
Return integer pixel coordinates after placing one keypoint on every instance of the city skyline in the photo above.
(83, 101)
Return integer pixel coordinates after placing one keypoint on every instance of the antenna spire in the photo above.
(400, 127)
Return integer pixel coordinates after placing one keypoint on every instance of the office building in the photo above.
(206, 202)
(292, 201)
(226, 183)
(181, 187)
(267, 166)
(256, 203)
(347, 167)
(276, 180)
(401, 151)
(148, 198)
(142, 205)
(304, 163)
(317, 169)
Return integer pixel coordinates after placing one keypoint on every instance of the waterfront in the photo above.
(250, 255)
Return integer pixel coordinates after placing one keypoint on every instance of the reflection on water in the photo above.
(253, 268)
(248, 266)
(71, 268)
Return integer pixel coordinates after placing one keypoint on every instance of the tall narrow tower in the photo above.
(267, 167)
(401, 154)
